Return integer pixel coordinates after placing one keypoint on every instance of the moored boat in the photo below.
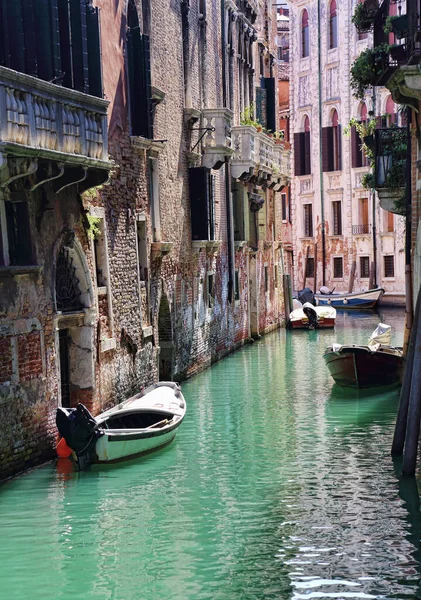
(377, 364)
(354, 300)
(312, 317)
(145, 422)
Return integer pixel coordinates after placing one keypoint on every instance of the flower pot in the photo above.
(388, 198)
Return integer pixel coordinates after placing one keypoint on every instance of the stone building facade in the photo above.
(140, 217)
(339, 227)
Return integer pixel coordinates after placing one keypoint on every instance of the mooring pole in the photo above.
(414, 409)
(402, 417)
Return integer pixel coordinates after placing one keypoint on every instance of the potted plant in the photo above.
(367, 69)
(247, 117)
(364, 15)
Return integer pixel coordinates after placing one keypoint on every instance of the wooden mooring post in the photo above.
(352, 277)
(287, 297)
(407, 427)
(402, 417)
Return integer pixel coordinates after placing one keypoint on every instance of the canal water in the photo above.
(277, 486)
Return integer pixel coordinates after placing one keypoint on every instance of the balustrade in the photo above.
(38, 115)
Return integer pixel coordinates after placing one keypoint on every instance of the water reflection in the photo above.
(279, 485)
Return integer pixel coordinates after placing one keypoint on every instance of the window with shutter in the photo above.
(308, 220)
(79, 44)
(364, 267)
(299, 153)
(18, 233)
(202, 203)
(13, 35)
(390, 222)
(338, 272)
(337, 217)
(94, 51)
(284, 206)
(269, 84)
(310, 267)
(389, 266)
(327, 149)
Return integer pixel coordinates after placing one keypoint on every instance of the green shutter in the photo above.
(65, 46)
(94, 51)
(79, 45)
(14, 41)
(270, 103)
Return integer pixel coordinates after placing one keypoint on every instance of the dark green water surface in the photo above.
(278, 486)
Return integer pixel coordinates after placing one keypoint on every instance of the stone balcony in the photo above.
(256, 155)
(43, 123)
(217, 141)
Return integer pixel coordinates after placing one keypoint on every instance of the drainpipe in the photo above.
(228, 196)
(322, 207)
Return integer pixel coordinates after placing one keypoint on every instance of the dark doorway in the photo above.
(64, 340)
(165, 341)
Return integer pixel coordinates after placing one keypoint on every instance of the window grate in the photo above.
(67, 284)
(338, 271)
(389, 266)
(337, 218)
(364, 267)
(308, 220)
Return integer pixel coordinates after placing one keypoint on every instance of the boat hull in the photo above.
(356, 300)
(325, 315)
(122, 445)
(322, 323)
(360, 367)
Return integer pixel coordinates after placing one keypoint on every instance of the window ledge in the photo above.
(11, 271)
(108, 344)
(338, 236)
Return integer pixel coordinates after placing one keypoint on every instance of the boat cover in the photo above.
(381, 335)
(306, 295)
(78, 427)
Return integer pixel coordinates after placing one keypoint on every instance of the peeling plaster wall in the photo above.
(344, 185)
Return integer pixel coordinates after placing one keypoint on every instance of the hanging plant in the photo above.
(368, 181)
(364, 15)
(365, 130)
(367, 68)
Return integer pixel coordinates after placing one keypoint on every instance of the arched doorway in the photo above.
(166, 345)
(73, 297)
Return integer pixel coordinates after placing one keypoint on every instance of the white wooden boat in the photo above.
(308, 316)
(354, 300)
(374, 365)
(145, 422)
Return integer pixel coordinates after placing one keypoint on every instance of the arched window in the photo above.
(305, 35)
(391, 116)
(333, 25)
(331, 144)
(302, 149)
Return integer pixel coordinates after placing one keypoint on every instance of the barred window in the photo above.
(338, 271)
(364, 267)
(284, 206)
(337, 217)
(308, 220)
(310, 267)
(389, 266)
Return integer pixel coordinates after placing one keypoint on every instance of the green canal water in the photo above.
(277, 486)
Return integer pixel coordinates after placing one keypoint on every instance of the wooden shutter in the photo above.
(146, 113)
(327, 149)
(65, 45)
(29, 36)
(94, 51)
(339, 142)
(298, 139)
(355, 154)
(270, 103)
(261, 106)
(79, 45)
(14, 42)
(55, 40)
(200, 200)
(307, 153)
(43, 40)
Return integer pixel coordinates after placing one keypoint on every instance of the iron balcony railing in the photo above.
(360, 229)
(391, 148)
